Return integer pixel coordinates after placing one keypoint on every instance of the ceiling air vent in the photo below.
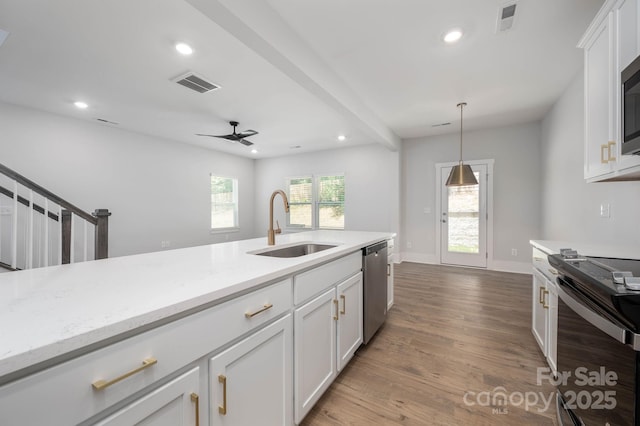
(195, 82)
(506, 15)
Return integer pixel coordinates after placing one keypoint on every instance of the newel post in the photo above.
(66, 236)
(102, 233)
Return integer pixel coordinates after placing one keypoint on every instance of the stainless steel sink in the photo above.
(295, 251)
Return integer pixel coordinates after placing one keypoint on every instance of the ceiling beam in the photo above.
(262, 29)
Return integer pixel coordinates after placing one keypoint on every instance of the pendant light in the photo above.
(461, 174)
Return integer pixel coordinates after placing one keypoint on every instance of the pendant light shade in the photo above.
(461, 175)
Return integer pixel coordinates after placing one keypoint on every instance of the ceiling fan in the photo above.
(235, 137)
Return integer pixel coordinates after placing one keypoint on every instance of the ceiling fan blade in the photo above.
(247, 133)
(229, 137)
(245, 142)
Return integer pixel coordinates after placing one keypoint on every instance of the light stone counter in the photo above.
(589, 249)
(46, 313)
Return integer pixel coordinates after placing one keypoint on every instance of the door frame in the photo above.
(438, 215)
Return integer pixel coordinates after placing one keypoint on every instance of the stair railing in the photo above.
(49, 226)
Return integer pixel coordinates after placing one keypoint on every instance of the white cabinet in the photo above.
(175, 404)
(610, 44)
(350, 317)
(328, 330)
(544, 309)
(390, 274)
(251, 382)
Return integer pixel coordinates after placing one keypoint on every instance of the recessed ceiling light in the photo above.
(254, 151)
(81, 105)
(184, 48)
(453, 35)
(342, 138)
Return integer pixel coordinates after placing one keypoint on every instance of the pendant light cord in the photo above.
(461, 105)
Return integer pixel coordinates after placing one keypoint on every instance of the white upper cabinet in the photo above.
(610, 44)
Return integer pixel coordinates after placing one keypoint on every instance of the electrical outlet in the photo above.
(427, 210)
(409, 244)
(5, 210)
(165, 244)
(605, 210)
(514, 252)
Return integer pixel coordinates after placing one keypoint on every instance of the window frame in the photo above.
(235, 203)
(315, 201)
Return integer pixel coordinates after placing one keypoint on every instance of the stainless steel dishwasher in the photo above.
(374, 268)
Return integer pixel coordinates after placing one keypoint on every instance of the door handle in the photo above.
(444, 221)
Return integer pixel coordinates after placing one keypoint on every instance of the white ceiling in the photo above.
(299, 72)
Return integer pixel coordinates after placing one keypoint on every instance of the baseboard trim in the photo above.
(496, 265)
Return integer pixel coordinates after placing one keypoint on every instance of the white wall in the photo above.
(516, 151)
(571, 207)
(372, 187)
(156, 189)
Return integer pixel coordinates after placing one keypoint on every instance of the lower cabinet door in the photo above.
(315, 350)
(175, 404)
(251, 383)
(350, 319)
(538, 311)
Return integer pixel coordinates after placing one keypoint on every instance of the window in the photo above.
(316, 202)
(224, 203)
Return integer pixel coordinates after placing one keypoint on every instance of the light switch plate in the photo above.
(605, 210)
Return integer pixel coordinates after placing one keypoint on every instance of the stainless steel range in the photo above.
(598, 341)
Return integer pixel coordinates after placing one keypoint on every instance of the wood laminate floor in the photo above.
(452, 332)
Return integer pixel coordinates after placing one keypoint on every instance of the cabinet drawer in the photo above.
(541, 263)
(65, 394)
(311, 283)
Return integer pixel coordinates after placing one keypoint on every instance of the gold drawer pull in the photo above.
(335, 302)
(553, 271)
(344, 304)
(388, 269)
(538, 259)
(196, 399)
(544, 301)
(609, 145)
(604, 148)
(264, 308)
(101, 384)
(222, 409)
(541, 296)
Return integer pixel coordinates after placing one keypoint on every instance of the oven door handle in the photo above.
(596, 320)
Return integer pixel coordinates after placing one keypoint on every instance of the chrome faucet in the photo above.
(271, 233)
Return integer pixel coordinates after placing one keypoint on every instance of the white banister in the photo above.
(84, 257)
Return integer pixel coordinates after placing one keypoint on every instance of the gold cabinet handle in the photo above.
(222, 409)
(335, 302)
(609, 145)
(541, 296)
(544, 299)
(344, 304)
(102, 384)
(196, 399)
(264, 308)
(553, 271)
(604, 148)
(537, 259)
(388, 269)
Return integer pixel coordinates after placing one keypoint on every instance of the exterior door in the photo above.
(463, 220)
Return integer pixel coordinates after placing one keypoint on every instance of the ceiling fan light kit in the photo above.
(462, 174)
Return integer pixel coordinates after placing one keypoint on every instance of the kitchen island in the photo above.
(58, 321)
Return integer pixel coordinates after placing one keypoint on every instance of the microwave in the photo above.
(630, 79)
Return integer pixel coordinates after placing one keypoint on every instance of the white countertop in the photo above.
(589, 249)
(47, 312)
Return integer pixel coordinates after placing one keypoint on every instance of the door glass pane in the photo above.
(464, 218)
